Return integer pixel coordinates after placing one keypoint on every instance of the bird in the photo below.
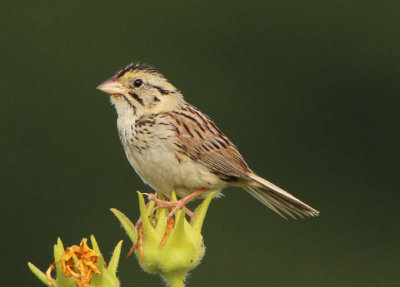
(172, 145)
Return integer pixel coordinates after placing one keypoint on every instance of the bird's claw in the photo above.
(176, 205)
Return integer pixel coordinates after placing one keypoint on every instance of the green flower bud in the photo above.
(170, 251)
(80, 266)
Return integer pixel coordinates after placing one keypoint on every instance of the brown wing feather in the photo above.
(200, 138)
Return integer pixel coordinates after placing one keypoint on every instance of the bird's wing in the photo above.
(199, 137)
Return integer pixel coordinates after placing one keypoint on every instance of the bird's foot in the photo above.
(176, 205)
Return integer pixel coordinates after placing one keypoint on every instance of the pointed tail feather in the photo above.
(279, 200)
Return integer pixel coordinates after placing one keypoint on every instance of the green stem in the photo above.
(176, 281)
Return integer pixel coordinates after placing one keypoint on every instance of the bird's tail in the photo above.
(277, 199)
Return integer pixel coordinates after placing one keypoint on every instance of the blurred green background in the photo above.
(308, 91)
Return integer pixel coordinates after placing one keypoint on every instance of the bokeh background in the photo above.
(308, 91)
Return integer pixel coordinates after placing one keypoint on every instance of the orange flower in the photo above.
(80, 266)
(79, 262)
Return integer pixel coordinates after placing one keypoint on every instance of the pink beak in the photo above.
(112, 87)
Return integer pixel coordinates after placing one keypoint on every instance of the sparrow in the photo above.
(174, 146)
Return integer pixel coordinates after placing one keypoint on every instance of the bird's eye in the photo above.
(137, 83)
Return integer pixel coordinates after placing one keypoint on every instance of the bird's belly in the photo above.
(163, 171)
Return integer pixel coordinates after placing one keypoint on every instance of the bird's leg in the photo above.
(176, 205)
(187, 211)
(190, 213)
(182, 202)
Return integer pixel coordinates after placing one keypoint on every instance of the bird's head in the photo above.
(140, 89)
